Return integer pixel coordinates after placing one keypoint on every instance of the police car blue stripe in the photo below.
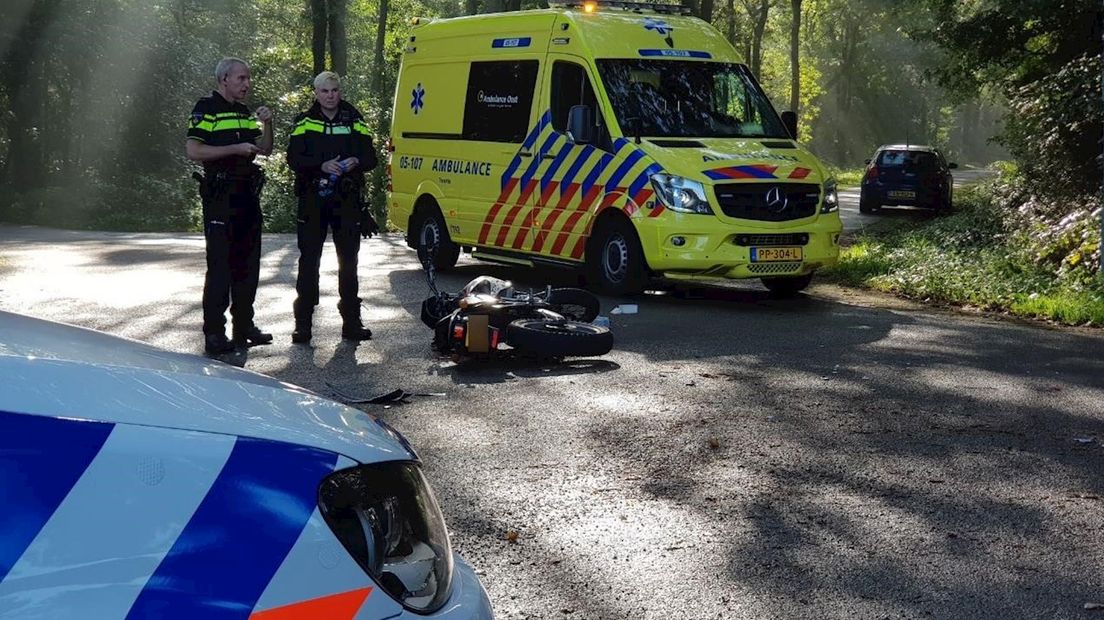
(332, 570)
(643, 178)
(111, 544)
(623, 169)
(41, 458)
(240, 534)
(584, 155)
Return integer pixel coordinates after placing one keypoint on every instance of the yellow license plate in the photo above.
(770, 255)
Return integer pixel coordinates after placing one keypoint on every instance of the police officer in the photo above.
(330, 149)
(225, 137)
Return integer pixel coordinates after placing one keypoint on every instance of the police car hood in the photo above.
(59, 370)
(722, 160)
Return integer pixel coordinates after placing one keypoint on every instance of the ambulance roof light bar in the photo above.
(655, 7)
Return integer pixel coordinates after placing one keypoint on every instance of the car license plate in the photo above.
(901, 193)
(769, 255)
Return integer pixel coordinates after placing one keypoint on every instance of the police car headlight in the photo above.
(831, 198)
(387, 518)
(679, 194)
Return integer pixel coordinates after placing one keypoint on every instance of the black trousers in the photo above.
(318, 216)
(232, 227)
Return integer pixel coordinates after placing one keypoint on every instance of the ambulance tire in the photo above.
(558, 338)
(615, 260)
(431, 228)
(787, 287)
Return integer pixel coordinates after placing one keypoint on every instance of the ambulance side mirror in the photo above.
(580, 124)
(789, 120)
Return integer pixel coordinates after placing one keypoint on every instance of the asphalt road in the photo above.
(853, 221)
(836, 455)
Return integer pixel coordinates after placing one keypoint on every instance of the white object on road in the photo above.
(624, 309)
(601, 321)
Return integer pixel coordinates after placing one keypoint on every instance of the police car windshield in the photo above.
(688, 99)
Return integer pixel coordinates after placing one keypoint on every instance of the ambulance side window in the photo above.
(570, 87)
(499, 99)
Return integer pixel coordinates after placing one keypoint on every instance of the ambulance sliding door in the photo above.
(501, 122)
(569, 184)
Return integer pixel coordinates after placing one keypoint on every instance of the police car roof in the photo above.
(59, 370)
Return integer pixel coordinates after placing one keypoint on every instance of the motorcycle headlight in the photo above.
(831, 198)
(387, 518)
(679, 194)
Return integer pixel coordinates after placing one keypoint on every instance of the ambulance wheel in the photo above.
(787, 287)
(558, 338)
(615, 260)
(432, 234)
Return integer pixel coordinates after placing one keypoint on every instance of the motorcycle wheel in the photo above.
(558, 339)
(575, 304)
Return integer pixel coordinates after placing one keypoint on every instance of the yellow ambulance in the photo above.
(621, 138)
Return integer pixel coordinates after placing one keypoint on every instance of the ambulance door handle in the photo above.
(549, 156)
(524, 154)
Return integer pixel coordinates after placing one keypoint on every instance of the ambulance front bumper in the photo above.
(692, 250)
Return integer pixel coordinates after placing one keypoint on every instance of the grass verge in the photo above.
(970, 258)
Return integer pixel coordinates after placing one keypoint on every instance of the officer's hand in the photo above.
(245, 149)
(332, 166)
(349, 163)
(264, 114)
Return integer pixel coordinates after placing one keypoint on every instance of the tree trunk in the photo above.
(378, 67)
(494, 6)
(795, 58)
(471, 7)
(318, 38)
(22, 78)
(730, 24)
(758, 15)
(706, 12)
(339, 49)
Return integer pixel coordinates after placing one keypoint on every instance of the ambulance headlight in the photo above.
(831, 198)
(388, 520)
(679, 194)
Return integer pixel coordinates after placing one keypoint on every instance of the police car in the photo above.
(624, 139)
(139, 483)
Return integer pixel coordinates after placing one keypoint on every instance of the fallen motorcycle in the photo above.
(490, 317)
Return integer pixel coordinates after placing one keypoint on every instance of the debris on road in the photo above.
(1084, 440)
(398, 395)
(1094, 606)
(625, 309)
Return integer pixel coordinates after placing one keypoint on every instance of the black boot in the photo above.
(303, 314)
(251, 337)
(217, 344)
(351, 327)
(355, 331)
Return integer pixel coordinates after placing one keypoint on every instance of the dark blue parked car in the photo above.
(910, 175)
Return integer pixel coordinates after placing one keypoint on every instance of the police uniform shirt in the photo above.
(316, 139)
(218, 122)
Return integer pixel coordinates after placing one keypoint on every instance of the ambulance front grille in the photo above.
(768, 202)
(768, 268)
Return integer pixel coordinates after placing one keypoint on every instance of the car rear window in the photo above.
(907, 159)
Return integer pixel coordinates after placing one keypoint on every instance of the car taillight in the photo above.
(872, 172)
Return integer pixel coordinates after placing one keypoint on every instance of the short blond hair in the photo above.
(327, 76)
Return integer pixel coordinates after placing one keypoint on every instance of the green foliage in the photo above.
(993, 252)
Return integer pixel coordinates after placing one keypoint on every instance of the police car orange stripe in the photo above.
(343, 606)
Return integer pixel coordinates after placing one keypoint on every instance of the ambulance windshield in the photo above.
(688, 99)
